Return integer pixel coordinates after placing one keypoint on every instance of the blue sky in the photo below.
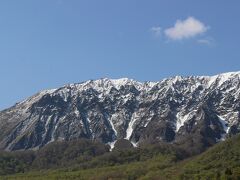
(48, 43)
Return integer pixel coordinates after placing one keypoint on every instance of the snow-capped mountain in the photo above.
(179, 109)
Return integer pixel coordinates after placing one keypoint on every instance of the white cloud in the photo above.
(157, 31)
(185, 29)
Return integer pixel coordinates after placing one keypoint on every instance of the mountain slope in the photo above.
(218, 162)
(184, 110)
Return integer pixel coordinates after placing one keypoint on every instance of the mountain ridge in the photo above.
(111, 109)
(142, 82)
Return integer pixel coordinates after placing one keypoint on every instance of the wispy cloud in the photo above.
(157, 31)
(184, 29)
(206, 41)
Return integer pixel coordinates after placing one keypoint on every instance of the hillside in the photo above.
(219, 162)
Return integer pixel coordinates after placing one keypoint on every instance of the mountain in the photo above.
(195, 111)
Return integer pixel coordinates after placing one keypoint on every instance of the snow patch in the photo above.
(130, 126)
(226, 76)
(176, 79)
(76, 111)
(135, 144)
(211, 80)
(181, 120)
(29, 101)
(112, 125)
(150, 116)
(112, 145)
(225, 126)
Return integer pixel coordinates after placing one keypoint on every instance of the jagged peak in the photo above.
(103, 84)
(221, 78)
(127, 81)
(226, 75)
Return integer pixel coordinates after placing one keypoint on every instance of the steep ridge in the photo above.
(184, 110)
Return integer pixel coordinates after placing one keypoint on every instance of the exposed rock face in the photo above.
(200, 108)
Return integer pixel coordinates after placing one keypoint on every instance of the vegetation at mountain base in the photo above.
(83, 159)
